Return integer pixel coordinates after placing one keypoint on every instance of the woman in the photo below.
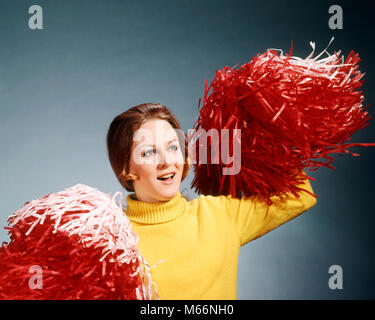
(199, 239)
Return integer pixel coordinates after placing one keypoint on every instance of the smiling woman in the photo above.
(145, 143)
(199, 240)
(156, 161)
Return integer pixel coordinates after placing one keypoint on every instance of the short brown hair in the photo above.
(120, 137)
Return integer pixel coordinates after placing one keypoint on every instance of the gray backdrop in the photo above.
(60, 87)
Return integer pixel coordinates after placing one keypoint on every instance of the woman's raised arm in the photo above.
(254, 218)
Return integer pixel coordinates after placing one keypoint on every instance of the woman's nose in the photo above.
(165, 159)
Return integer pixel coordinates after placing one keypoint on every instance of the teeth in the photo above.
(167, 176)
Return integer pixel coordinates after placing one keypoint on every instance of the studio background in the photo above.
(60, 88)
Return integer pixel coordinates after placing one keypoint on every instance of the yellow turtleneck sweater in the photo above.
(200, 239)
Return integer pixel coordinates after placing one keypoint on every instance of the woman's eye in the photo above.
(173, 147)
(147, 153)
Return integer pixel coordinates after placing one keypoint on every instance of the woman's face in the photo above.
(157, 161)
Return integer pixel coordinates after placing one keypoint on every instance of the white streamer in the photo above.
(104, 225)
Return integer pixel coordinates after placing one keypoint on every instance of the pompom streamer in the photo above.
(293, 113)
(83, 245)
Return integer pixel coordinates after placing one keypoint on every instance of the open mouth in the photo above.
(167, 177)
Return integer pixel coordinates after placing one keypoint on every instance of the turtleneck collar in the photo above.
(154, 212)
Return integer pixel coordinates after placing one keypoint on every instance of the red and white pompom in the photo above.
(292, 113)
(84, 245)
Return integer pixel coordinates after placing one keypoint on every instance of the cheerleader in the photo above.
(194, 244)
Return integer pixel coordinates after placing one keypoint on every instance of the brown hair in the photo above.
(120, 138)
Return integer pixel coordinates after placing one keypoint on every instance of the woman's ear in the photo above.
(128, 176)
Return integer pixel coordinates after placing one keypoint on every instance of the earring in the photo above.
(128, 176)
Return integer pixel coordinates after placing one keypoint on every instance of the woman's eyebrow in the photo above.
(147, 145)
(173, 140)
(152, 145)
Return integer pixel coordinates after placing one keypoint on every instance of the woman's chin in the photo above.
(168, 190)
(167, 193)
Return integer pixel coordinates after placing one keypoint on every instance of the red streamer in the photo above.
(69, 245)
(293, 113)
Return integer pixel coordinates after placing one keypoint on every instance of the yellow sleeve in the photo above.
(253, 218)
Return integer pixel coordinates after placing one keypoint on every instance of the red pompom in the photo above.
(75, 244)
(292, 113)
